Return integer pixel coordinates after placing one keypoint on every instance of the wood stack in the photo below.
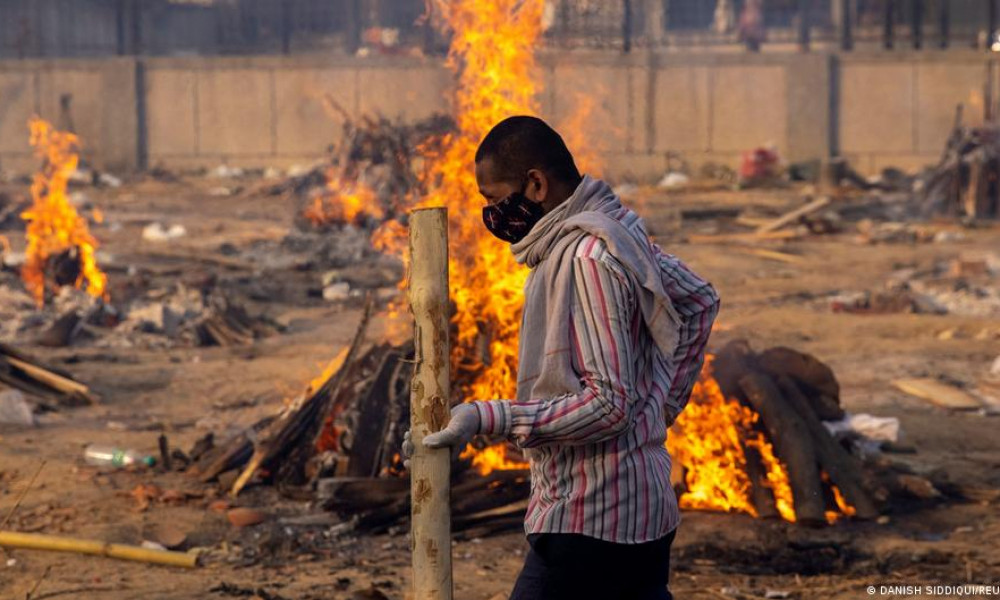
(339, 444)
(793, 393)
(21, 371)
(966, 181)
(227, 323)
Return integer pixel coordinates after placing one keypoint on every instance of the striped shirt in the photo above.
(598, 462)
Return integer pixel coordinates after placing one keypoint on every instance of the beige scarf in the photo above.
(545, 368)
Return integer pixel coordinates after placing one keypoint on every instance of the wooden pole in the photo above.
(430, 514)
(38, 541)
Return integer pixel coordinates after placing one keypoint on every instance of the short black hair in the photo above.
(518, 144)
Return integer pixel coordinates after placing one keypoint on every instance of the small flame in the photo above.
(345, 203)
(492, 458)
(54, 226)
(330, 434)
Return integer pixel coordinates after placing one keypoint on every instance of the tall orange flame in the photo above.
(53, 224)
(492, 53)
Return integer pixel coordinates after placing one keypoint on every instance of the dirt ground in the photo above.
(185, 392)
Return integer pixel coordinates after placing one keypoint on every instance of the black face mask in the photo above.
(513, 217)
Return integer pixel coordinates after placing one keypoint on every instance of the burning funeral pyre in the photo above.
(751, 440)
(61, 250)
(69, 291)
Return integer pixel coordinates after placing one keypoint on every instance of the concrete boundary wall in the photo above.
(877, 109)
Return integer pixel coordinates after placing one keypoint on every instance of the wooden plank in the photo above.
(721, 238)
(938, 393)
(774, 255)
(794, 215)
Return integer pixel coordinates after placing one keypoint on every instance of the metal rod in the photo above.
(804, 25)
(286, 26)
(627, 27)
(846, 26)
(917, 23)
(944, 24)
(991, 22)
(889, 24)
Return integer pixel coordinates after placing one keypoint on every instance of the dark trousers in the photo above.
(582, 568)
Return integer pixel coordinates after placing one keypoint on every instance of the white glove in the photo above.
(463, 425)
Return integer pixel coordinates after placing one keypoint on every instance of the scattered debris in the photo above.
(14, 409)
(245, 517)
(760, 166)
(158, 232)
(964, 181)
(673, 180)
(794, 215)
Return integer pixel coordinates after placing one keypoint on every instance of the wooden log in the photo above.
(374, 407)
(760, 493)
(720, 238)
(429, 402)
(793, 445)
(29, 375)
(843, 470)
(731, 363)
(497, 489)
(795, 215)
(821, 385)
(792, 259)
(357, 493)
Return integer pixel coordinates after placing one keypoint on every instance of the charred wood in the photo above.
(793, 445)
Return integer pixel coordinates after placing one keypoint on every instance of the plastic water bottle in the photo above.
(109, 456)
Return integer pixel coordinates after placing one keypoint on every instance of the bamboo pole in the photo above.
(430, 521)
(37, 541)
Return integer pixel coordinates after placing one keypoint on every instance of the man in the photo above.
(612, 340)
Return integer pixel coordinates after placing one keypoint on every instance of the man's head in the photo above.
(524, 154)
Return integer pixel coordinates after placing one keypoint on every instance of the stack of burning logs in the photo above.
(338, 443)
(793, 393)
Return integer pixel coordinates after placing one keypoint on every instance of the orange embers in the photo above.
(345, 202)
(53, 224)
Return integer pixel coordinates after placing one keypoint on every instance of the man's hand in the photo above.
(463, 425)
